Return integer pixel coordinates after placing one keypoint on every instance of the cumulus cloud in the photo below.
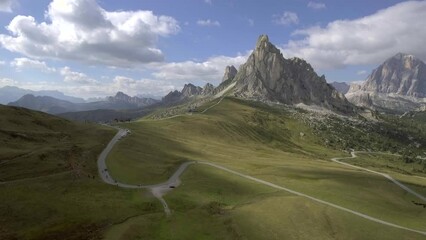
(316, 5)
(24, 63)
(6, 5)
(208, 23)
(367, 40)
(76, 77)
(81, 30)
(142, 87)
(286, 18)
(210, 70)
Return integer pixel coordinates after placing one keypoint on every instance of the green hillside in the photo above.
(49, 187)
(279, 145)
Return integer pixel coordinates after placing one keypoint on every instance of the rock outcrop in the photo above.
(230, 72)
(268, 76)
(208, 89)
(189, 91)
(399, 84)
(402, 74)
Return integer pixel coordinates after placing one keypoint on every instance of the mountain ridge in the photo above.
(268, 76)
(52, 105)
(398, 84)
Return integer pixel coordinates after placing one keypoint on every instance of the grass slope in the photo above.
(269, 144)
(50, 188)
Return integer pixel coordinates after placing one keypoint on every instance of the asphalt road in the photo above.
(399, 184)
(158, 190)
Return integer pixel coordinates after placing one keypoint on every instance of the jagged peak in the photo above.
(187, 85)
(230, 72)
(264, 45)
(404, 56)
(230, 68)
(208, 85)
(119, 93)
(262, 40)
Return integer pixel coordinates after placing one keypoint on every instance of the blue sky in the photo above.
(94, 48)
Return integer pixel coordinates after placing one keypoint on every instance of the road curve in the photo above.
(312, 198)
(158, 190)
(399, 184)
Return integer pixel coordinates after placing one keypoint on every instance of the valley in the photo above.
(212, 120)
(267, 161)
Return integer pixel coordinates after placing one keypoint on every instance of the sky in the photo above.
(94, 48)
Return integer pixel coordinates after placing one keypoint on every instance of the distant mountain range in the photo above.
(56, 106)
(10, 94)
(399, 84)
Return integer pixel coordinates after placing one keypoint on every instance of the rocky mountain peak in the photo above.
(268, 76)
(121, 95)
(208, 89)
(191, 90)
(264, 47)
(402, 74)
(230, 72)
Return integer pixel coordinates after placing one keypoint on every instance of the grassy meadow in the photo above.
(268, 144)
(49, 187)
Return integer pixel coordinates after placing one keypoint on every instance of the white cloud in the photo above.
(208, 23)
(210, 70)
(367, 40)
(287, 18)
(7, 82)
(316, 5)
(142, 86)
(361, 72)
(250, 22)
(22, 63)
(76, 77)
(81, 30)
(208, 2)
(6, 5)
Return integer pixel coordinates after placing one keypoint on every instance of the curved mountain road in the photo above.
(399, 184)
(158, 190)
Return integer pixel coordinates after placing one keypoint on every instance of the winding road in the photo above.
(399, 184)
(159, 190)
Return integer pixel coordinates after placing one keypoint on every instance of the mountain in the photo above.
(342, 87)
(398, 84)
(44, 104)
(189, 91)
(268, 76)
(11, 94)
(138, 102)
(56, 106)
(208, 89)
(401, 74)
(230, 73)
